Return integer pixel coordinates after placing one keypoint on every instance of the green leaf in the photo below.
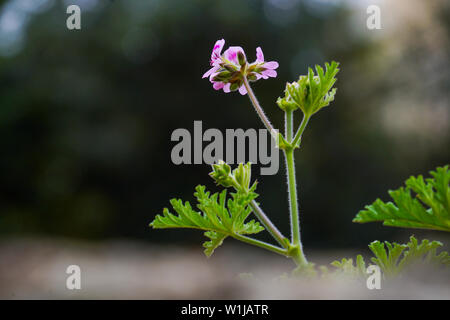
(394, 258)
(399, 257)
(387, 260)
(216, 241)
(429, 209)
(219, 216)
(346, 267)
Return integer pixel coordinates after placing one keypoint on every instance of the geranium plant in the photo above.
(229, 214)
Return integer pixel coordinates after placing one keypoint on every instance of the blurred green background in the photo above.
(86, 116)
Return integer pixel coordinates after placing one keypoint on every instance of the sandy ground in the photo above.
(36, 269)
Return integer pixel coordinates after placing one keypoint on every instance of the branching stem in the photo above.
(294, 249)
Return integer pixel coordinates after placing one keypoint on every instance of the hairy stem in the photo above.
(289, 120)
(259, 109)
(261, 244)
(295, 250)
(301, 129)
(276, 234)
(299, 256)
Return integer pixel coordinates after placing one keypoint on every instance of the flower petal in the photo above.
(271, 65)
(213, 75)
(259, 55)
(218, 85)
(242, 90)
(210, 71)
(232, 54)
(269, 73)
(226, 87)
(217, 50)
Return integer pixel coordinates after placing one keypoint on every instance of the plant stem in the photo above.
(296, 254)
(276, 234)
(256, 209)
(293, 206)
(292, 187)
(288, 125)
(259, 109)
(260, 244)
(298, 134)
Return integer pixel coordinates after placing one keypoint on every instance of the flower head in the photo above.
(228, 70)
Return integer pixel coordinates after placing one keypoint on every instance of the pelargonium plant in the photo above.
(222, 215)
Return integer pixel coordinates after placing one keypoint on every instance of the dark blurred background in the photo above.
(86, 116)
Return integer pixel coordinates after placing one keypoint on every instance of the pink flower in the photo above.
(268, 67)
(229, 69)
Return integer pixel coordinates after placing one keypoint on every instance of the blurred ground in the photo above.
(35, 269)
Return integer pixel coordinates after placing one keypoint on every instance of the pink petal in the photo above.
(226, 87)
(211, 77)
(210, 71)
(217, 50)
(242, 90)
(259, 55)
(271, 65)
(218, 85)
(232, 52)
(269, 73)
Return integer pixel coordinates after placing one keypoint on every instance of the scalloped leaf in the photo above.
(394, 258)
(429, 209)
(219, 216)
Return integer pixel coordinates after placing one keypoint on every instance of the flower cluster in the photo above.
(230, 69)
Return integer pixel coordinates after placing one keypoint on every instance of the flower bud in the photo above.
(242, 175)
(222, 174)
(241, 58)
(286, 104)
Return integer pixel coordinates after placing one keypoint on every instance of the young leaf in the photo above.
(412, 212)
(346, 267)
(219, 217)
(394, 258)
(399, 257)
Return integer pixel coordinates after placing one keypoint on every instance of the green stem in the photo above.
(293, 250)
(298, 256)
(289, 123)
(298, 134)
(270, 227)
(293, 208)
(260, 244)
